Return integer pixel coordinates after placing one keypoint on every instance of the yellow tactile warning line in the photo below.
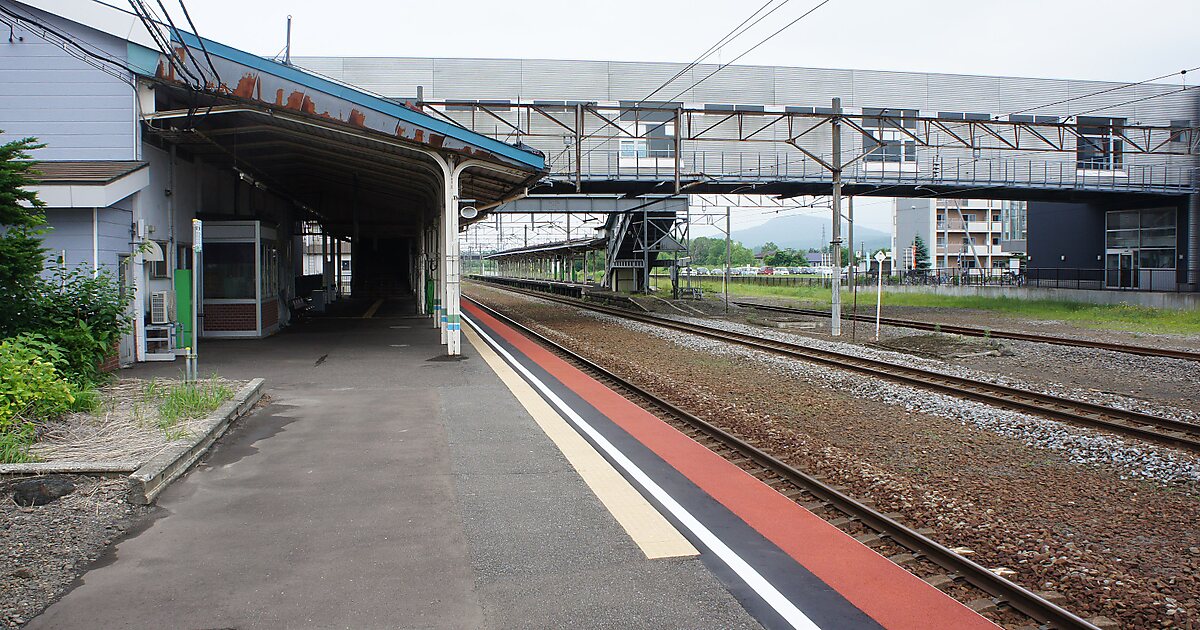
(374, 307)
(656, 537)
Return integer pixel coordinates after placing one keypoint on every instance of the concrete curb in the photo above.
(155, 475)
(54, 468)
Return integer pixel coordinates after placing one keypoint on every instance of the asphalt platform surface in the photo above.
(382, 487)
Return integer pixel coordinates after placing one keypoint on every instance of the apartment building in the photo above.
(960, 233)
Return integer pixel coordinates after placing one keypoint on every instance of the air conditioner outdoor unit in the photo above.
(160, 307)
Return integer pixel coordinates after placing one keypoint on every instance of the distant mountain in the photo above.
(804, 231)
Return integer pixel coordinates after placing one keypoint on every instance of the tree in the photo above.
(920, 253)
(21, 229)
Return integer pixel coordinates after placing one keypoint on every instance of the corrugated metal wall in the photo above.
(535, 80)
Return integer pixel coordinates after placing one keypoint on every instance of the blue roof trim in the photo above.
(357, 97)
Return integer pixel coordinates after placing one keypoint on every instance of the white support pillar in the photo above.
(437, 237)
(419, 275)
(452, 261)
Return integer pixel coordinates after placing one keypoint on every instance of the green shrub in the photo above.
(31, 391)
(21, 228)
(85, 315)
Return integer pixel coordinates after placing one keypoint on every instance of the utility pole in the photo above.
(835, 326)
(850, 242)
(728, 258)
(287, 49)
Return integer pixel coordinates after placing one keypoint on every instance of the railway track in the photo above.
(868, 525)
(1143, 426)
(986, 332)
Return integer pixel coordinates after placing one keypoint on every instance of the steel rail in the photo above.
(1006, 591)
(1166, 431)
(968, 331)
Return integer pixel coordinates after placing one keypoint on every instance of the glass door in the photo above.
(1120, 270)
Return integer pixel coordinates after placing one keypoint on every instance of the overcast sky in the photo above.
(1075, 39)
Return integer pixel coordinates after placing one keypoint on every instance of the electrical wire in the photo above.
(203, 48)
(724, 65)
(106, 60)
(728, 38)
(187, 50)
(1104, 91)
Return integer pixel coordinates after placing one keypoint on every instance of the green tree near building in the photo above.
(920, 253)
(22, 224)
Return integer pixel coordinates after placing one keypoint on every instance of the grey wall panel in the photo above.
(391, 80)
(906, 90)
(477, 78)
(632, 81)
(959, 93)
(1035, 95)
(330, 66)
(546, 79)
(56, 98)
(531, 80)
(813, 87)
(749, 85)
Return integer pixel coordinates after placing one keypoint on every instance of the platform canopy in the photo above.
(550, 250)
(346, 156)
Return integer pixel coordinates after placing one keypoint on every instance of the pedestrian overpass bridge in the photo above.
(650, 148)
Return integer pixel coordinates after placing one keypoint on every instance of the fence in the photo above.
(1162, 280)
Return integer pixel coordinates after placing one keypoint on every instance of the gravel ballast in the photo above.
(1108, 523)
(47, 546)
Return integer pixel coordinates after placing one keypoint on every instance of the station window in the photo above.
(1181, 132)
(1149, 236)
(1098, 147)
(1013, 216)
(885, 129)
(159, 268)
(653, 124)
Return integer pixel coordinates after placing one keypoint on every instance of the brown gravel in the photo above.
(1125, 549)
(1167, 381)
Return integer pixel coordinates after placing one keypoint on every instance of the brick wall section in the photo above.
(113, 360)
(229, 317)
(270, 313)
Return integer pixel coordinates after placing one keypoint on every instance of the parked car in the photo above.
(768, 271)
(783, 271)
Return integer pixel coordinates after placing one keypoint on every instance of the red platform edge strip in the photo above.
(893, 597)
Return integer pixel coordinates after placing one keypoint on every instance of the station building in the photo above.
(148, 128)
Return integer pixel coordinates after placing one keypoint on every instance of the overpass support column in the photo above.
(1193, 250)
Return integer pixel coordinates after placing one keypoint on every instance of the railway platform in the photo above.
(385, 486)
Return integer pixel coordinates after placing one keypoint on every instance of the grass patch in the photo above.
(14, 444)
(1101, 316)
(174, 403)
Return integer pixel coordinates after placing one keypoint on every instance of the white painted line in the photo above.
(752, 578)
(374, 307)
(649, 529)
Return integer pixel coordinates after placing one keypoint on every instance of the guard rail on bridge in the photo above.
(606, 148)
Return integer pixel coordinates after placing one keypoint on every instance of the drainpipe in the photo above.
(95, 242)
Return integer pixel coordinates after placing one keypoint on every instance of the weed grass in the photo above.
(1100, 316)
(174, 403)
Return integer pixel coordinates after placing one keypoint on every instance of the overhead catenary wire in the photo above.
(728, 38)
(730, 62)
(1104, 91)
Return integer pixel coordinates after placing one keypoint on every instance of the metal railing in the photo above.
(1160, 280)
(758, 166)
